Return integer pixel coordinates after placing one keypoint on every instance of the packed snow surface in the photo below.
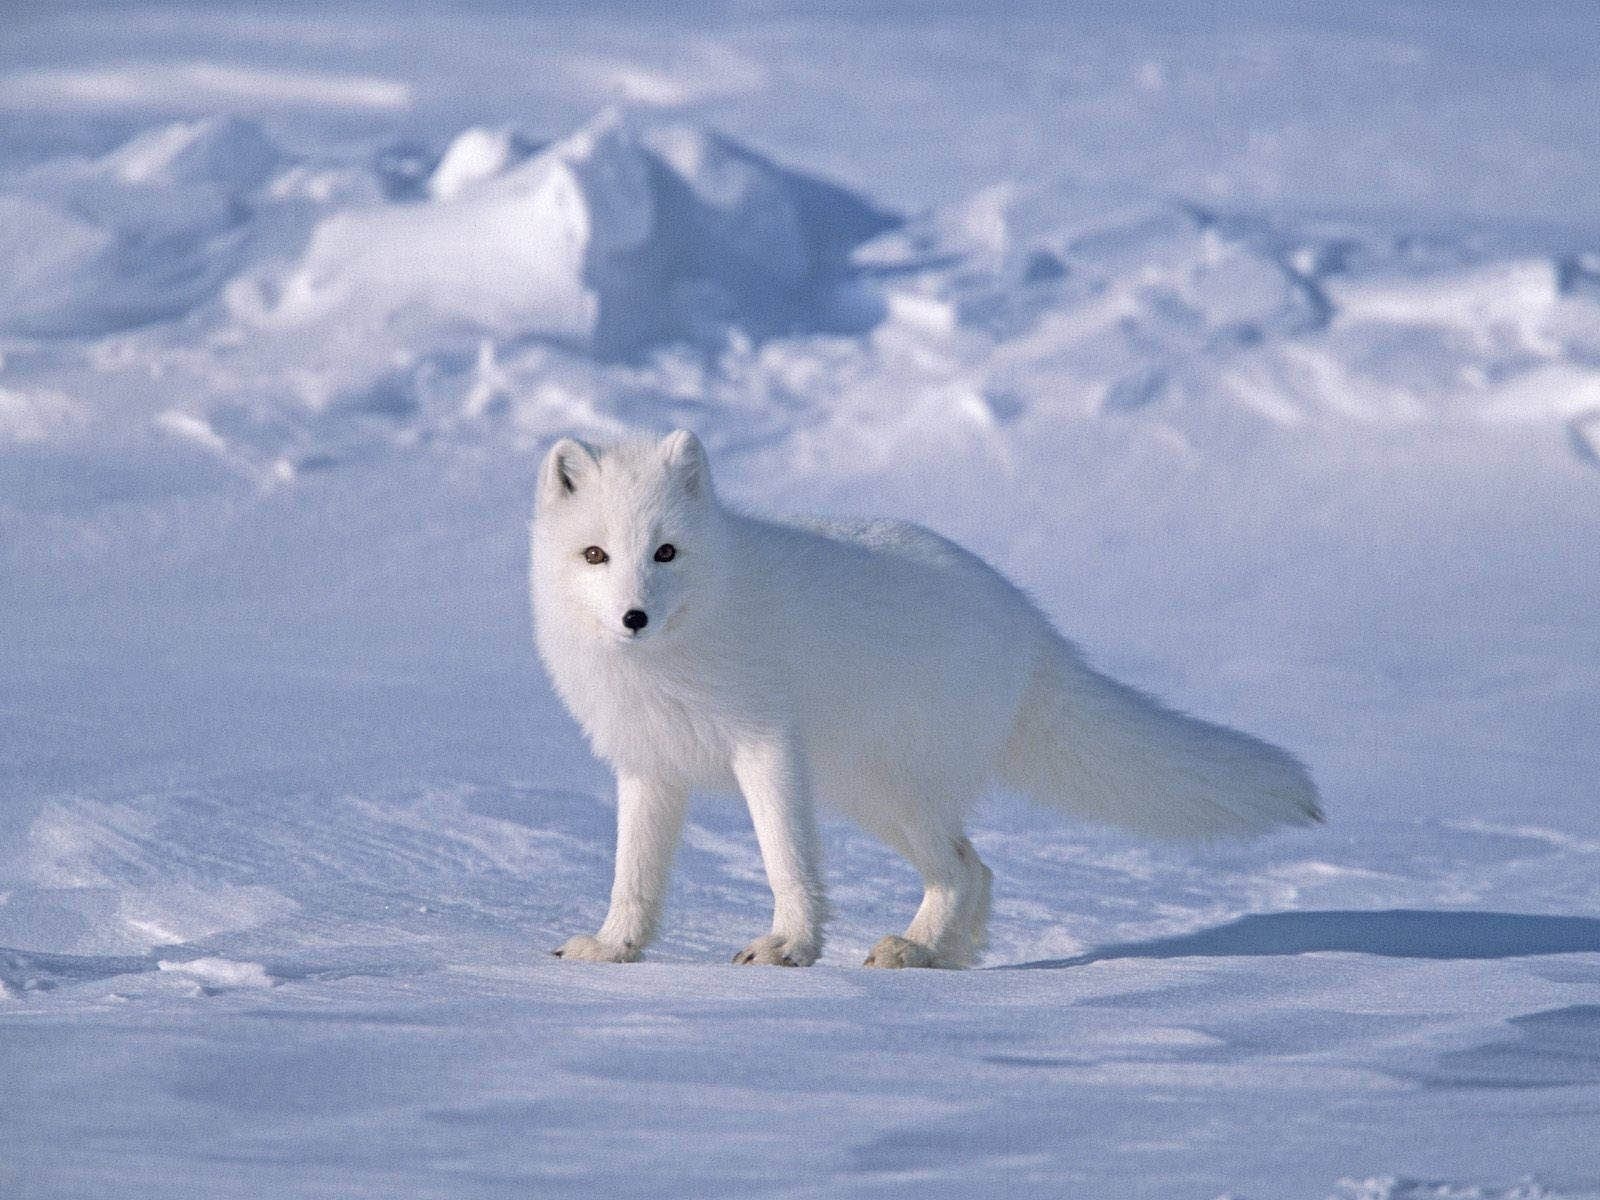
(1265, 354)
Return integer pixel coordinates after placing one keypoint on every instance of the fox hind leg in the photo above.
(950, 926)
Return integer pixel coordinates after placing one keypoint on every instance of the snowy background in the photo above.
(1262, 344)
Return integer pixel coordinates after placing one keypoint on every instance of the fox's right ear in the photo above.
(565, 468)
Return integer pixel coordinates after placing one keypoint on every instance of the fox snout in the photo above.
(635, 619)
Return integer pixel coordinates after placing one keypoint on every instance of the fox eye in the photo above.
(666, 552)
(594, 556)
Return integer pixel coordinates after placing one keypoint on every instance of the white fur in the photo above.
(874, 667)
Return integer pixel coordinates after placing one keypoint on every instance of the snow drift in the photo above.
(504, 289)
(144, 234)
(608, 239)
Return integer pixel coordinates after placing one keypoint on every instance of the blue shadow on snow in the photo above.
(1392, 933)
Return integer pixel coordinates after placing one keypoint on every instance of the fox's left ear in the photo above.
(686, 459)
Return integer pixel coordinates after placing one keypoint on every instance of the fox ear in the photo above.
(565, 467)
(686, 459)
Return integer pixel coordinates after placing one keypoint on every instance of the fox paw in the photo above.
(776, 951)
(894, 952)
(584, 948)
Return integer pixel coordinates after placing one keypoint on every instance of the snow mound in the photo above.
(1112, 304)
(143, 234)
(221, 973)
(609, 239)
(475, 155)
(224, 151)
(646, 270)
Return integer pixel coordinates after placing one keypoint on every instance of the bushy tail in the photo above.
(1106, 752)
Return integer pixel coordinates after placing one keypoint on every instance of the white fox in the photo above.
(875, 667)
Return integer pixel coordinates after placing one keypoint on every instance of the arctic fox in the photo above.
(876, 667)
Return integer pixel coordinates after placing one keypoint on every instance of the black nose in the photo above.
(636, 619)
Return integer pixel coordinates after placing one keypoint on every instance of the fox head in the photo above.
(625, 539)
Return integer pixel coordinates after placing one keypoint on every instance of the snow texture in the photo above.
(1262, 349)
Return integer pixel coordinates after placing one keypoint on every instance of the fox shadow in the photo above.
(1391, 933)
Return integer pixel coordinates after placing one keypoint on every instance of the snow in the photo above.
(475, 155)
(218, 973)
(1265, 353)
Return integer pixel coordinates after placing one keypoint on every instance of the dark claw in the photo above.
(555, 953)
